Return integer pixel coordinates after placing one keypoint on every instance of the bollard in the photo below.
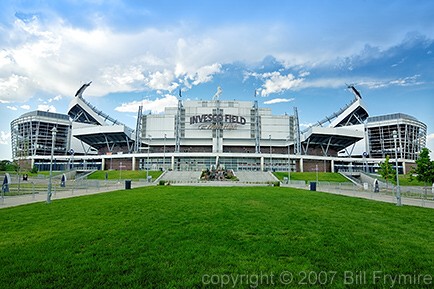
(313, 186)
(127, 184)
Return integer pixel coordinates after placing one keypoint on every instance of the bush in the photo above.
(274, 184)
(34, 170)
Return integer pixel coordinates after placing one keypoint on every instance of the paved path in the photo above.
(381, 197)
(12, 201)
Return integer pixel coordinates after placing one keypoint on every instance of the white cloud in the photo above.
(147, 58)
(162, 80)
(25, 106)
(56, 98)
(113, 60)
(15, 88)
(46, 107)
(306, 125)
(204, 73)
(155, 106)
(304, 74)
(11, 107)
(278, 100)
(405, 81)
(5, 137)
(277, 83)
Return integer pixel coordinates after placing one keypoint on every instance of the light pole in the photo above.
(289, 162)
(398, 189)
(71, 152)
(271, 157)
(164, 153)
(53, 140)
(149, 148)
(120, 171)
(316, 169)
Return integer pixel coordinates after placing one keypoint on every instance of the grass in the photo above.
(174, 237)
(404, 180)
(124, 174)
(311, 176)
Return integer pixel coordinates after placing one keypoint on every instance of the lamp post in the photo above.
(149, 148)
(289, 162)
(53, 140)
(398, 189)
(120, 171)
(271, 157)
(164, 153)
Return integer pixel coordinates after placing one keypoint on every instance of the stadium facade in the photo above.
(196, 135)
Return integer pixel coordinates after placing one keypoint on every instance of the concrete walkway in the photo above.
(12, 201)
(380, 197)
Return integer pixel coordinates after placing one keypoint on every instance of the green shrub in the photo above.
(34, 170)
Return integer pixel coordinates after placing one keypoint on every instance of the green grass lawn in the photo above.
(189, 237)
(125, 174)
(404, 180)
(311, 176)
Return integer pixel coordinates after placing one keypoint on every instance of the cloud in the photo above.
(154, 58)
(15, 88)
(202, 74)
(405, 81)
(306, 125)
(5, 137)
(275, 82)
(115, 61)
(56, 98)
(162, 81)
(155, 106)
(278, 100)
(11, 107)
(46, 107)
(25, 106)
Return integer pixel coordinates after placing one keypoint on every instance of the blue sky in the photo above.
(294, 53)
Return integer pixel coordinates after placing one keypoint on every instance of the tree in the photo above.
(386, 171)
(6, 165)
(424, 169)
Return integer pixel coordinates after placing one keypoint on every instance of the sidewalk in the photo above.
(13, 201)
(380, 197)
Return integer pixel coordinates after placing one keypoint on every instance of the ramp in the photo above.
(181, 176)
(255, 177)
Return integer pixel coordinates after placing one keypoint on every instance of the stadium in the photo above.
(199, 135)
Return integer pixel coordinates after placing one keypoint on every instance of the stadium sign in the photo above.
(217, 117)
(217, 121)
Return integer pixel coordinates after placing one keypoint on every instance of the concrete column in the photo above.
(172, 162)
(102, 163)
(133, 167)
(301, 165)
(404, 169)
(332, 166)
(262, 163)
